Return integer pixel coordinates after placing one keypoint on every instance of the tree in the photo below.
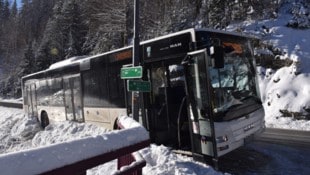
(14, 10)
(73, 28)
(5, 11)
(27, 64)
(110, 24)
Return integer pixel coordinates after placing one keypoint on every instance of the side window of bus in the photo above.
(57, 95)
(116, 87)
(92, 95)
(25, 94)
(103, 84)
(42, 93)
(48, 91)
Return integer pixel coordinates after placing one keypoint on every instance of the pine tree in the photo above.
(73, 28)
(6, 11)
(1, 9)
(28, 63)
(110, 24)
(14, 10)
(51, 47)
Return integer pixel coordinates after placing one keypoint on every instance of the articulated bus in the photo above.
(204, 94)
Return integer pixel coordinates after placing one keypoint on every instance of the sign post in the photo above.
(135, 59)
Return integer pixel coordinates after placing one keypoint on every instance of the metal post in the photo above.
(136, 59)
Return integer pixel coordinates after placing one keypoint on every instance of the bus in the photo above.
(203, 96)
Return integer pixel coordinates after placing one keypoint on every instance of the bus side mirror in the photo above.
(217, 56)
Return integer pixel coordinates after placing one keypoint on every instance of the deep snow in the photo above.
(19, 132)
(289, 87)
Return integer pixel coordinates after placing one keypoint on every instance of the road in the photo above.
(267, 158)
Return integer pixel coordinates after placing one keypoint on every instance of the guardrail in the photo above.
(11, 104)
(125, 163)
(76, 157)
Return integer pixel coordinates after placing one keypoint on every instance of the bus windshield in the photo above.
(235, 82)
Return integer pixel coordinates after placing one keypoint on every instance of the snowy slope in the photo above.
(286, 89)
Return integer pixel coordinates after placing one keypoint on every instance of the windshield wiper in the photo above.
(252, 97)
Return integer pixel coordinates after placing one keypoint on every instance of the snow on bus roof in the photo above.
(66, 62)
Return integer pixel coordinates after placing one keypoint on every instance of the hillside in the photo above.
(40, 33)
(49, 31)
(285, 91)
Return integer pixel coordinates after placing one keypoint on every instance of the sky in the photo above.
(19, 4)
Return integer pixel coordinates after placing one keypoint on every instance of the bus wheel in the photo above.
(44, 120)
(115, 126)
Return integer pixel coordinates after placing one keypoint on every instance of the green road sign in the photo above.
(131, 72)
(138, 85)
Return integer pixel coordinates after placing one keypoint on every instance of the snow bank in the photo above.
(58, 155)
(283, 90)
(28, 135)
(286, 89)
(161, 161)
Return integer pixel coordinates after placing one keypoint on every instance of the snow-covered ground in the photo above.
(286, 89)
(19, 132)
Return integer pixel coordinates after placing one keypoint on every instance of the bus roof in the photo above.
(76, 60)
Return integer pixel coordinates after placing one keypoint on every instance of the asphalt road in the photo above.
(267, 159)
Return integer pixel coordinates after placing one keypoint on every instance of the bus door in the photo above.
(31, 99)
(167, 103)
(73, 100)
(198, 91)
(34, 100)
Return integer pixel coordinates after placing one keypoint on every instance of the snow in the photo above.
(57, 155)
(66, 62)
(283, 90)
(23, 142)
(286, 89)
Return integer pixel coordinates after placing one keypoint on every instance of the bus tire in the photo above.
(44, 119)
(115, 126)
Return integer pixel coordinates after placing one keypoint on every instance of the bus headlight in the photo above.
(221, 139)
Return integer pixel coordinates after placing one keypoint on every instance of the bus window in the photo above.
(42, 92)
(116, 87)
(25, 95)
(234, 82)
(176, 75)
(77, 101)
(103, 86)
(158, 79)
(56, 92)
(92, 95)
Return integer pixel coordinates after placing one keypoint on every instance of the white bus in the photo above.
(204, 95)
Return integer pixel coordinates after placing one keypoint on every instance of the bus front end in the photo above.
(224, 100)
(231, 134)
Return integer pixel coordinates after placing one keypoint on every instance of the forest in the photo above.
(42, 32)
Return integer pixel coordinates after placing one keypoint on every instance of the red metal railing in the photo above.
(128, 160)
